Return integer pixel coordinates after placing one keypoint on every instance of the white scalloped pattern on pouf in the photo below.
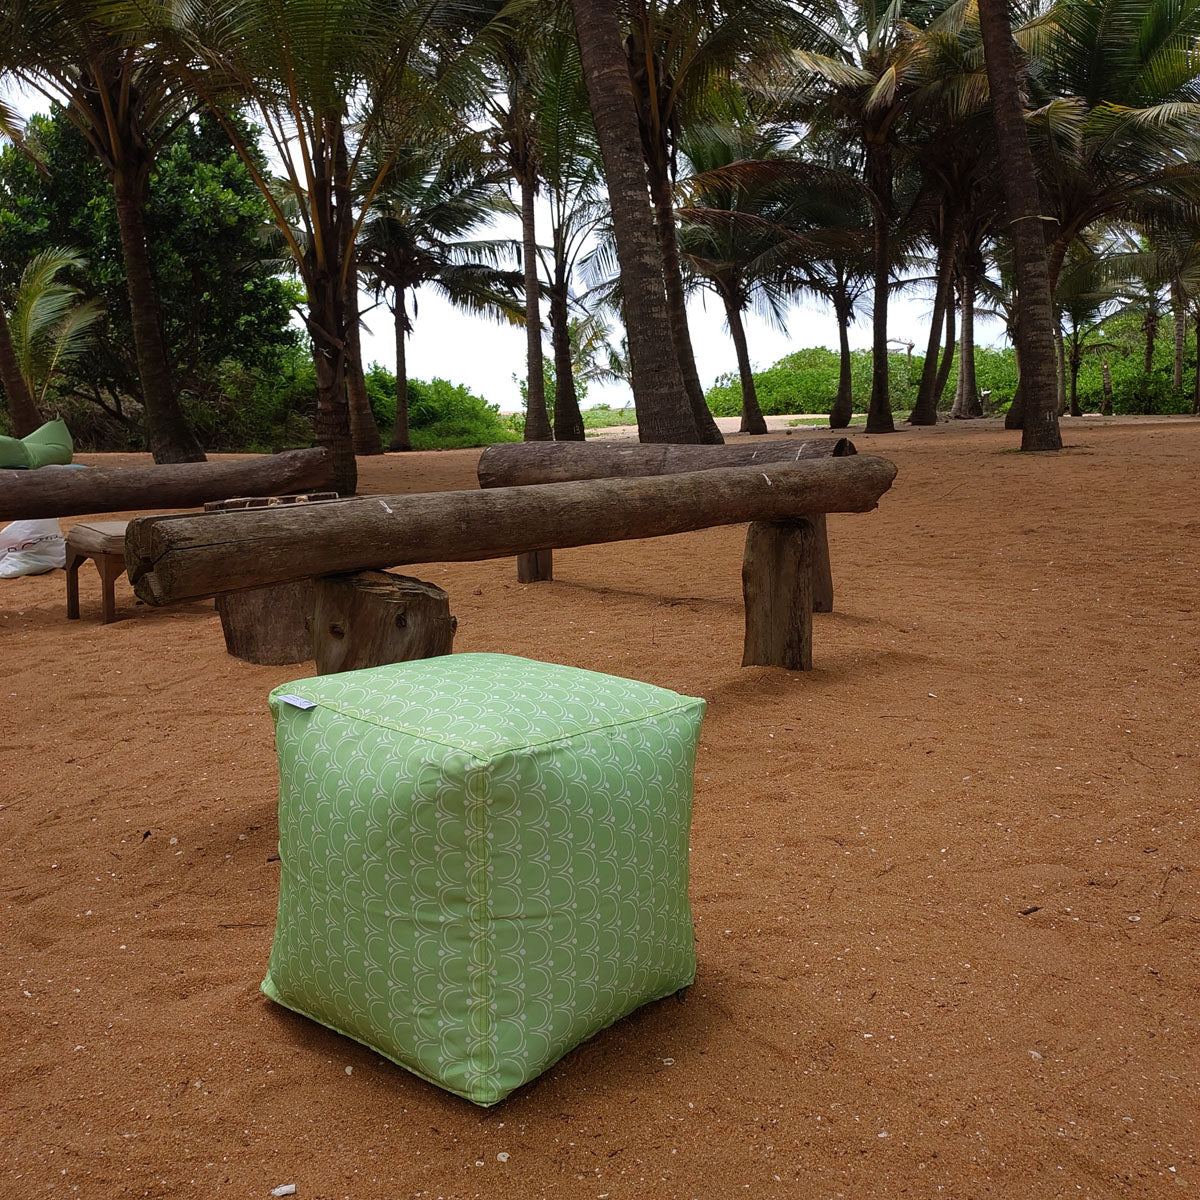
(484, 860)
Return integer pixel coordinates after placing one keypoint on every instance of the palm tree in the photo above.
(683, 59)
(511, 109)
(731, 239)
(1115, 132)
(119, 92)
(954, 149)
(569, 160)
(49, 323)
(22, 410)
(335, 84)
(1168, 259)
(862, 92)
(1085, 297)
(836, 264)
(1035, 338)
(364, 433)
(414, 234)
(664, 412)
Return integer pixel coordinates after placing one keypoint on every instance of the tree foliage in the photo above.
(222, 299)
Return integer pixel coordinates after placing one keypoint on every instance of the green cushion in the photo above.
(484, 860)
(13, 453)
(49, 444)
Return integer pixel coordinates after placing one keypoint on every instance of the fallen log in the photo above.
(65, 491)
(184, 557)
(511, 464)
(514, 463)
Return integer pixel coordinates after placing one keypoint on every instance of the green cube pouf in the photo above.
(484, 860)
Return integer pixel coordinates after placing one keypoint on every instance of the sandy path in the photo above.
(1002, 720)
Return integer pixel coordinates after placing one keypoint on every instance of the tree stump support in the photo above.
(268, 625)
(369, 618)
(777, 583)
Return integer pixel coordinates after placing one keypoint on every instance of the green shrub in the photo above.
(604, 416)
(806, 381)
(441, 415)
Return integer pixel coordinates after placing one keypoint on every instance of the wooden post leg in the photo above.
(777, 582)
(74, 559)
(822, 574)
(268, 625)
(535, 566)
(369, 618)
(111, 568)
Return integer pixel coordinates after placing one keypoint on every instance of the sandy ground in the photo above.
(945, 884)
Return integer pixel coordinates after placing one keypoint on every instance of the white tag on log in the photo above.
(298, 701)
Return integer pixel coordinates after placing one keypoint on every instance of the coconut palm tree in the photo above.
(731, 239)
(664, 412)
(336, 85)
(862, 92)
(511, 109)
(49, 322)
(1117, 90)
(118, 90)
(569, 160)
(415, 234)
(685, 59)
(954, 149)
(1086, 296)
(1035, 336)
(22, 410)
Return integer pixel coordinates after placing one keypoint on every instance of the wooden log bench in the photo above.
(515, 463)
(185, 557)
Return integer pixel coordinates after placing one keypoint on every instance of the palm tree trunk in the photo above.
(1035, 332)
(327, 326)
(1076, 360)
(843, 405)
(364, 433)
(401, 438)
(1150, 332)
(537, 423)
(22, 407)
(170, 438)
(1196, 383)
(967, 400)
(1060, 352)
(664, 413)
(943, 375)
(681, 338)
(1106, 386)
(879, 178)
(1179, 312)
(752, 419)
(568, 423)
(925, 410)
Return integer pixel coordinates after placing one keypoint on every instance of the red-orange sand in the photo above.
(945, 884)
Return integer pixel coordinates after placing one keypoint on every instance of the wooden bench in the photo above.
(174, 558)
(245, 636)
(510, 464)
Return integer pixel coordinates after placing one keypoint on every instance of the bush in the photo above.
(807, 382)
(441, 415)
